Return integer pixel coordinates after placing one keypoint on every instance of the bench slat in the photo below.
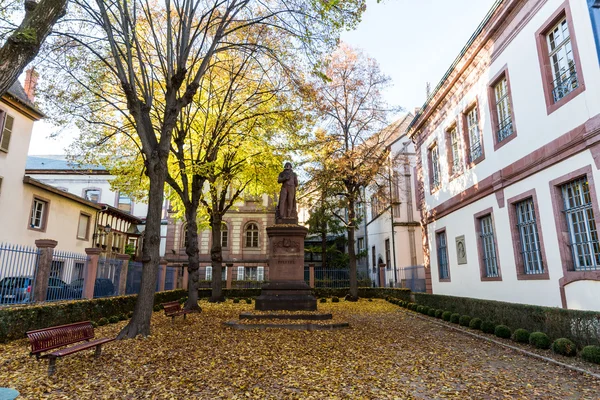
(58, 336)
(76, 348)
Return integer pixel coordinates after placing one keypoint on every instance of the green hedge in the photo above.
(364, 292)
(15, 321)
(583, 327)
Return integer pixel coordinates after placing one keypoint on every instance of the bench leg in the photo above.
(51, 366)
(98, 351)
(184, 315)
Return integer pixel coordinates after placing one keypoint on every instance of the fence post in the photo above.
(163, 274)
(91, 272)
(124, 258)
(382, 275)
(311, 275)
(46, 249)
(229, 275)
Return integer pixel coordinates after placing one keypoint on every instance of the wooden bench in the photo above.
(47, 339)
(173, 309)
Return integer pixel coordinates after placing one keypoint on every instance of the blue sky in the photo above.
(414, 41)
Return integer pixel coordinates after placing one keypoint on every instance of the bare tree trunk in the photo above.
(25, 42)
(142, 313)
(193, 253)
(216, 260)
(351, 252)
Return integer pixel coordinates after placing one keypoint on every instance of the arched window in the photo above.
(252, 235)
(224, 235)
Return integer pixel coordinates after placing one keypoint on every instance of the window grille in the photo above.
(505, 124)
(530, 241)
(489, 247)
(442, 255)
(562, 62)
(582, 225)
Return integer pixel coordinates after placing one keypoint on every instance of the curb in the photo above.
(508, 346)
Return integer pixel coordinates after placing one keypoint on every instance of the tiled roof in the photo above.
(58, 163)
(18, 93)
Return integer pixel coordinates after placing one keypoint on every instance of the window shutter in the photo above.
(260, 273)
(6, 133)
(209, 273)
(240, 274)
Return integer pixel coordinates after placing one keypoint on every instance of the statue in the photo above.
(287, 196)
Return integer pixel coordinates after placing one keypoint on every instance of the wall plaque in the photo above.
(461, 250)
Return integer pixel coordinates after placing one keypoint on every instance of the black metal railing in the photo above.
(565, 84)
(475, 152)
(504, 129)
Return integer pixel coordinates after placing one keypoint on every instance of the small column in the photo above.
(91, 272)
(124, 258)
(311, 275)
(46, 249)
(163, 274)
(382, 275)
(229, 275)
(185, 279)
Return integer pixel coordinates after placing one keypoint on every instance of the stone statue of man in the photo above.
(287, 195)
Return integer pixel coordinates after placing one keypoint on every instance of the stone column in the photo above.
(229, 275)
(311, 275)
(162, 266)
(124, 258)
(382, 275)
(91, 272)
(46, 249)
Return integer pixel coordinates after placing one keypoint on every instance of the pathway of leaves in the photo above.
(385, 354)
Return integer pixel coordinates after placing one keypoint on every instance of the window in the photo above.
(252, 235)
(529, 237)
(92, 195)
(360, 244)
(475, 150)
(39, 210)
(455, 164)
(434, 167)
(83, 226)
(504, 126)
(442, 254)
(388, 258)
(583, 234)
(224, 236)
(208, 273)
(240, 273)
(6, 129)
(488, 246)
(562, 76)
(124, 203)
(374, 258)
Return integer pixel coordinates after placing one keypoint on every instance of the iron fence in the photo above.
(334, 278)
(67, 276)
(170, 277)
(107, 278)
(18, 267)
(134, 278)
(413, 278)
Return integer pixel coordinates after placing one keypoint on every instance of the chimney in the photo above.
(31, 78)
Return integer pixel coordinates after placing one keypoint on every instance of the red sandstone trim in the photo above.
(542, 48)
(516, 237)
(437, 243)
(503, 73)
(562, 230)
(477, 217)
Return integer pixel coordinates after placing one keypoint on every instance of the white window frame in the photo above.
(87, 226)
(208, 273)
(505, 124)
(38, 207)
(475, 150)
(455, 149)
(260, 273)
(560, 54)
(240, 273)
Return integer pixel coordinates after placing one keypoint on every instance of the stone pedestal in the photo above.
(286, 289)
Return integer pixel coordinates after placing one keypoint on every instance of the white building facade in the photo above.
(508, 153)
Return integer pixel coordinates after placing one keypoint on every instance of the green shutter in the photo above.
(6, 133)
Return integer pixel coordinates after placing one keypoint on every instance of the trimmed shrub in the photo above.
(425, 310)
(475, 323)
(431, 312)
(446, 315)
(335, 299)
(577, 325)
(420, 309)
(113, 319)
(438, 313)
(488, 327)
(122, 317)
(455, 318)
(248, 301)
(464, 320)
(102, 321)
(323, 300)
(236, 300)
(502, 331)
(591, 354)
(539, 340)
(564, 347)
(521, 335)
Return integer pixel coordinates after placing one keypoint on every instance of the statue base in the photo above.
(286, 289)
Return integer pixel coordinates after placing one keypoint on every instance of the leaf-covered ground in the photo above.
(385, 354)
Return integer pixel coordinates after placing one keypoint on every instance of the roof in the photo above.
(58, 164)
(462, 53)
(401, 127)
(34, 182)
(110, 210)
(16, 97)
